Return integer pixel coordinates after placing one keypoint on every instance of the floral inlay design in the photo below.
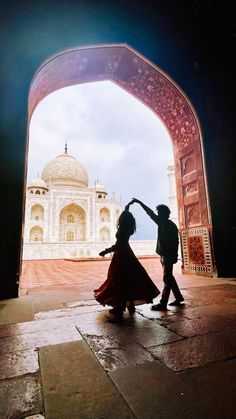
(196, 250)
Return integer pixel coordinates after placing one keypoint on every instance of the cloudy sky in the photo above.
(115, 137)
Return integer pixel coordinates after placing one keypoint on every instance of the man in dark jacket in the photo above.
(167, 248)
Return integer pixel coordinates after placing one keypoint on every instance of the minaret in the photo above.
(172, 194)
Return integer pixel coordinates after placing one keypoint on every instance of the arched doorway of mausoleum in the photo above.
(72, 223)
(36, 234)
(37, 212)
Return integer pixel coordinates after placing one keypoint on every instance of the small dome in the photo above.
(37, 183)
(99, 187)
(65, 170)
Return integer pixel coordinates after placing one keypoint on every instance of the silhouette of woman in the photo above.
(127, 284)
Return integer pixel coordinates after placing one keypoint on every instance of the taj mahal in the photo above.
(66, 218)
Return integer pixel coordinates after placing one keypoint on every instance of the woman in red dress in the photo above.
(127, 284)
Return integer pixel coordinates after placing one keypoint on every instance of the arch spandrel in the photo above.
(139, 77)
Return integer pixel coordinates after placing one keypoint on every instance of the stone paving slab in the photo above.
(20, 397)
(70, 311)
(215, 310)
(223, 286)
(14, 364)
(192, 301)
(145, 310)
(148, 333)
(165, 321)
(222, 293)
(72, 293)
(38, 339)
(82, 303)
(154, 392)
(53, 299)
(15, 311)
(36, 326)
(133, 329)
(200, 326)
(214, 386)
(197, 351)
(113, 355)
(76, 386)
(120, 344)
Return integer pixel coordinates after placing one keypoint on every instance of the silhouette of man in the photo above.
(167, 248)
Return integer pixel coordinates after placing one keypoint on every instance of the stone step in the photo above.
(75, 385)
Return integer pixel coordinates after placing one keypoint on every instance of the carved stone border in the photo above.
(197, 255)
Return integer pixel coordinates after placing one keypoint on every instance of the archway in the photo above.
(36, 234)
(104, 215)
(141, 78)
(37, 212)
(105, 234)
(72, 223)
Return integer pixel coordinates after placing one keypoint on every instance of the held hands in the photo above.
(130, 203)
(134, 201)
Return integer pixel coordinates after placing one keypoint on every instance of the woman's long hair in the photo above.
(126, 222)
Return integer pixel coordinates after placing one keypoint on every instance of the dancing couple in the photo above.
(128, 284)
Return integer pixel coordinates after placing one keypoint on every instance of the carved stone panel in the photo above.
(192, 215)
(196, 250)
(190, 188)
(188, 164)
(196, 247)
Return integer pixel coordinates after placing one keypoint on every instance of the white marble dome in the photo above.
(37, 183)
(65, 170)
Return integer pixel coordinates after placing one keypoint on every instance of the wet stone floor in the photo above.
(62, 358)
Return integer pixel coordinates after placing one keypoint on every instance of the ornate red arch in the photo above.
(141, 78)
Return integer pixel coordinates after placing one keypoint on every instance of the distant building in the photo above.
(172, 195)
(65, 218)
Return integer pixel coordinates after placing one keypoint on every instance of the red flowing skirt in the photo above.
(127, 281)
